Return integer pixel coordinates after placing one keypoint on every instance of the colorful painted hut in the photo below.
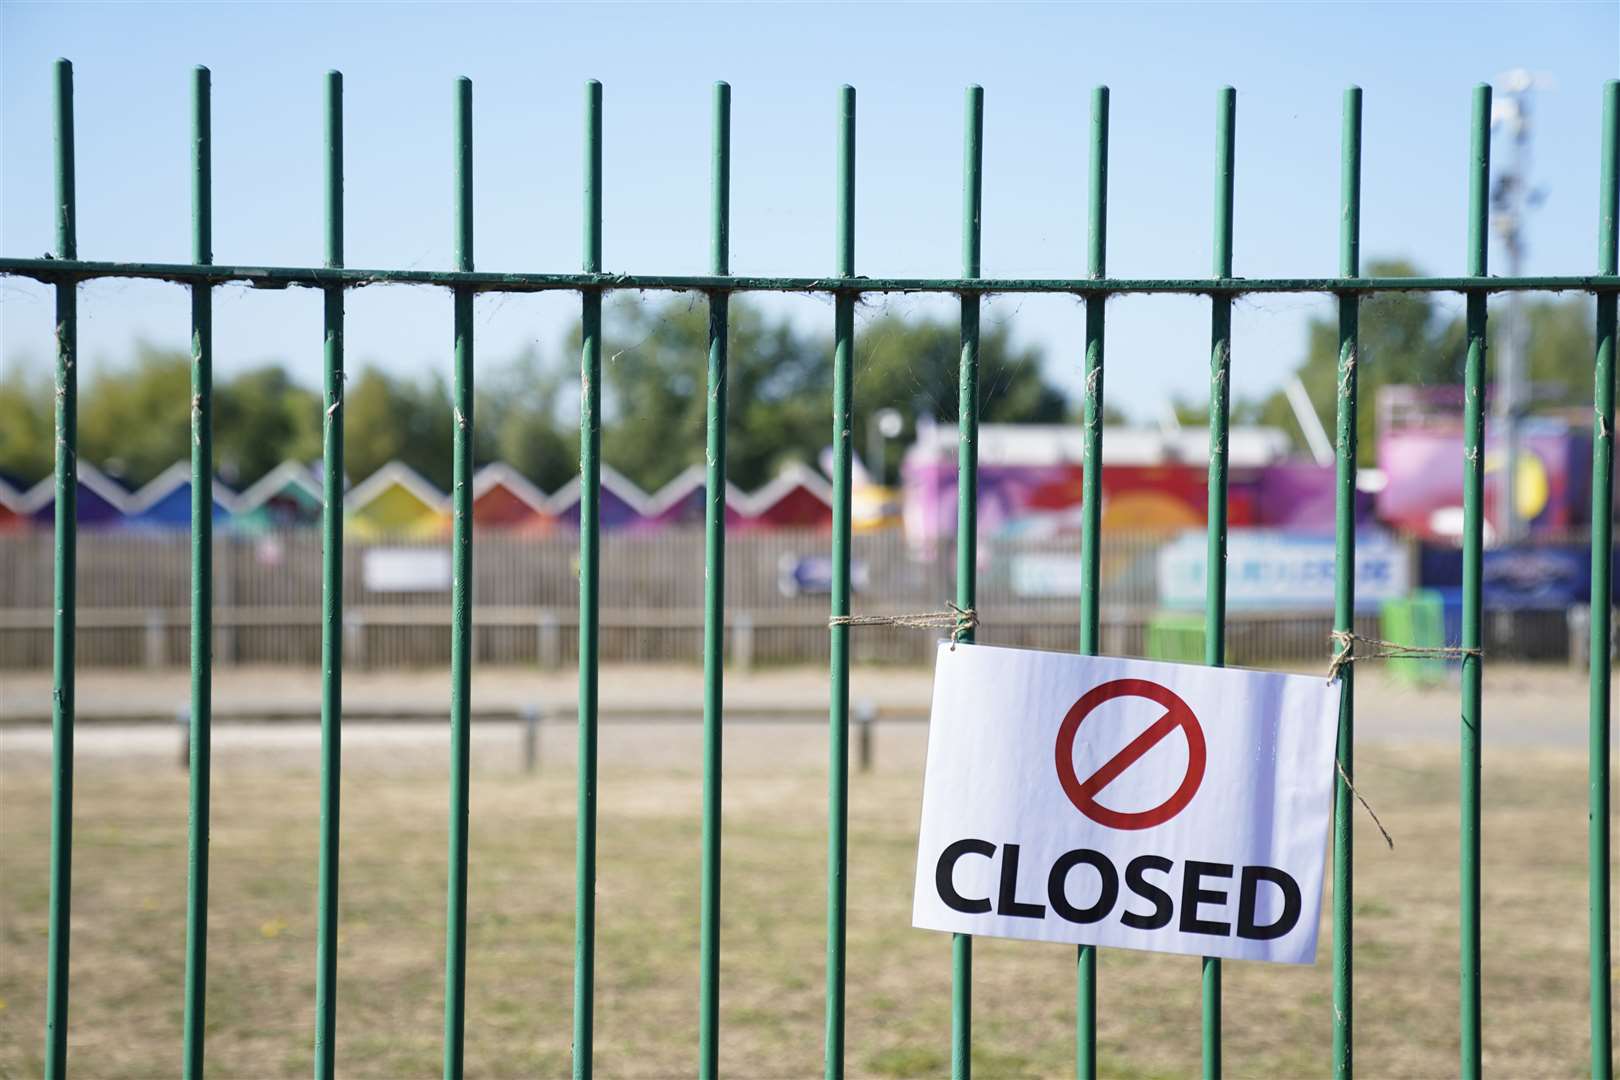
(623, 505)
(503, 498)
(287, 496)
(395, 501)
(12, 517)
(797, 498)
(683, 502)
(101, 500)
(165, 501)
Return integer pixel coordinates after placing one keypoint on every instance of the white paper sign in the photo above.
(1128, 803)
(406, 569)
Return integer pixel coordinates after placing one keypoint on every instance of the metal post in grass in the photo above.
(326, 907)
(202, 582)
(530, 718)
(1344, 580)
(866, 717)
(967, 509)
(590, 493)
(1597, 755)
(838, 708)
(1479, 179)
(1220, 372)
(461, 601)
(1085, 1005)
(714, 588)
(64, 573)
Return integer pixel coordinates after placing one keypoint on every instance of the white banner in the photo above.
(415, 569)
(1271, 570)
(1129, 803)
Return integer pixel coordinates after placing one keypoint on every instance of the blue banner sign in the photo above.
(1269, 570)
(811, 575)
(1528, 577)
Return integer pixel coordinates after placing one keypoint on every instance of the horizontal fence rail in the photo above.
(56, 271)
(64, 271)
(376, 639)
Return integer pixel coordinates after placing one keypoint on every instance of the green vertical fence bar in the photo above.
(64, 572)
(590, 495)
(967, 508)
(838, 707)
(326, 912)
(1085, 1004)
(1479, 180)
(714, 588)
(1220, 371)
(1597, 757)
(202, 579)
(461, 602)
(1344, 581)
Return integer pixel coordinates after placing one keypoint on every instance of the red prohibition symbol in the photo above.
(1083, 793)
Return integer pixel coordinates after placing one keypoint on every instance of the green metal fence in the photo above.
(65, 270)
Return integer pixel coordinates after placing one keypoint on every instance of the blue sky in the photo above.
(1038, 63)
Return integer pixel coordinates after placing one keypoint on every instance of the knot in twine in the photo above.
(1388, 650)
(958, 620)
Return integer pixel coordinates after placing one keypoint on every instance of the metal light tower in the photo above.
(1511, 197)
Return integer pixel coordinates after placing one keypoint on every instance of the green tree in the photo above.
(27, 428)
(780, 384)
(135, 420)
(517, 421)
(392, 419)
(1407, 339)
(655, 380)
(914, 367)
(1194, 413)
(262, 418)
(1403, 340)
(1560, 347)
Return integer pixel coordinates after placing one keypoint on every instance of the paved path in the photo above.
(1524, 705)
(115, 692)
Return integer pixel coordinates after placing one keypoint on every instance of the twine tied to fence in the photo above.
(1383, 650)
(958, 620)
(1388, 650)
(1365, 805)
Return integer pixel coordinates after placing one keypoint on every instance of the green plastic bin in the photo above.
(1177, 637)
(1418, 620)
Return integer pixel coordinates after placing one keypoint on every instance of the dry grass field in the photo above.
(128, 919)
